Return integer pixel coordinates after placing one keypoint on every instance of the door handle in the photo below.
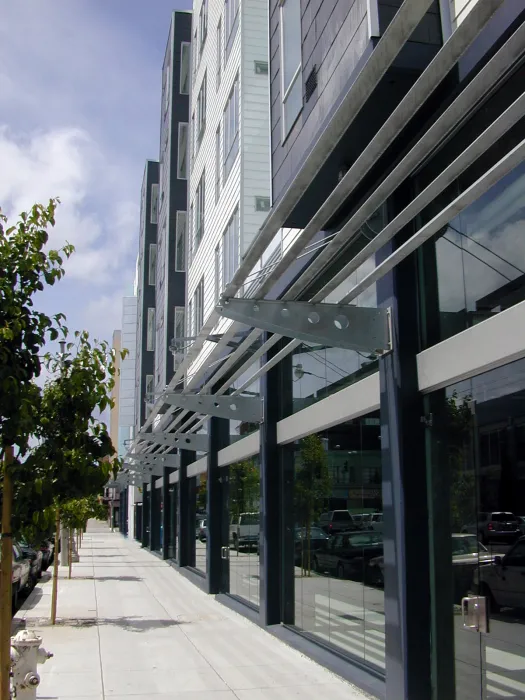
(474, 613)
(225, 552)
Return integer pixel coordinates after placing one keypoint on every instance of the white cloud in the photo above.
(68, 163)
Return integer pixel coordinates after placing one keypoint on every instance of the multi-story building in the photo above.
(376, 357)
(146, 281)
(229, 185)
(170, 288)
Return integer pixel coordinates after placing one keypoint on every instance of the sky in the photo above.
(80, 90)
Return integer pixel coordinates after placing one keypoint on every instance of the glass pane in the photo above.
(185, 69)
(338, 538)
(244, 508)
(291, 40)
(201, 529)
(292, 105)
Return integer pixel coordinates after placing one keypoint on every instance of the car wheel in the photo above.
(340, 571)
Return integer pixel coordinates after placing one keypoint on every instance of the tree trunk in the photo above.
(6, 574)
(70, 551)
(55, 570)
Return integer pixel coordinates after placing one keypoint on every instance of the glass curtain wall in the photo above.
(245, 517)
(338, 556)
(201, 494)
(478, 456)
(172, 534)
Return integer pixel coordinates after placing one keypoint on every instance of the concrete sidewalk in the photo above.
(130, 626)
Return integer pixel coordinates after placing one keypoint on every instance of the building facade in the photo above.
(146, 331)
(170, 288)
(354, 429)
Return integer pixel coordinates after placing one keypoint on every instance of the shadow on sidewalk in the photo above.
(130, 624)
(107, 578)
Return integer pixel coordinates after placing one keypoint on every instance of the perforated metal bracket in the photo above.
(148, 460)
(334, 325)
(244, 408)
(184, 441)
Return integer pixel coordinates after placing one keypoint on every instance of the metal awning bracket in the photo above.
(244, 408)
(183, 441)
(335, 325)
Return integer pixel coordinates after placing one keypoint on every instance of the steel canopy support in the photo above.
(243, 408)
(149, 460)
(336, 325)
(184, 441)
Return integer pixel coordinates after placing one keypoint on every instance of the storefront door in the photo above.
(486, 467)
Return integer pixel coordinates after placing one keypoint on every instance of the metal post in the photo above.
(406, 559)
(217, 537)
(167, 533)
(186, 553)
(276, 558)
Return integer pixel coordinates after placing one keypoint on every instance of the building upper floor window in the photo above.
(185, 50)
(178, 334)
(218, 276)
(198, 307)
(231, 22)
(152, 264)
(199, 212)
(150, 389)
(154, 210)
(219, 53)
(150, 330)
(218, 163)
(180, 241)
(291, 83)
(182, 152)
(203, 24)
(167, 74)
(230, 249)
(194, 54)
(200, 117)
(230, 128)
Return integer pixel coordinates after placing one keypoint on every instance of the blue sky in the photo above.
(79, 115)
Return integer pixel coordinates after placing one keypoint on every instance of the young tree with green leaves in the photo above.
(311, 488)
(70, 460)
(27, 266)
(76, 513)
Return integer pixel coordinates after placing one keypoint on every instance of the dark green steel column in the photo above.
(167, 533)
(277, 526)
(186, 553)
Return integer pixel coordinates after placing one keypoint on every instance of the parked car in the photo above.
(347, 554)
(47, 548)
(244, 530)
(467, 555)
(21, 576)
(202, 531)
(337, 521)
(503, 580)
(316, 541)
(198, 520)
(35, 558)
(376, 522)
(495, 526)
(521, 523)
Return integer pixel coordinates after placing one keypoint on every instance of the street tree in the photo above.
(27, 267)
(70, 460)
(75, 514)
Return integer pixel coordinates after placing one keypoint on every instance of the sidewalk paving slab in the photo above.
(130, 627)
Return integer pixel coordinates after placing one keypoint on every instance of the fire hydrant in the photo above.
(26, 653)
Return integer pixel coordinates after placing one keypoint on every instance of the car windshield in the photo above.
(315, 533)
(364, 540)
(250, 519)
(502, 517)
(466, 545)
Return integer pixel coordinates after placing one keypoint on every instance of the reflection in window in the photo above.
(154, 213)
(230, 249)
(231, 22)
(180, 241)
(198, 307)
(244, 499)
(182, 153)
(338, 554)
(185, 51)
(150, 330)
(291, 85)
(152, 264)
(480, 257)
(178, 334)
(230, 129)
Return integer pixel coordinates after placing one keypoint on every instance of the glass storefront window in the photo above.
(240, 429)
(483, 469)
(338, 538)
(245, 519)
(200, 523)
